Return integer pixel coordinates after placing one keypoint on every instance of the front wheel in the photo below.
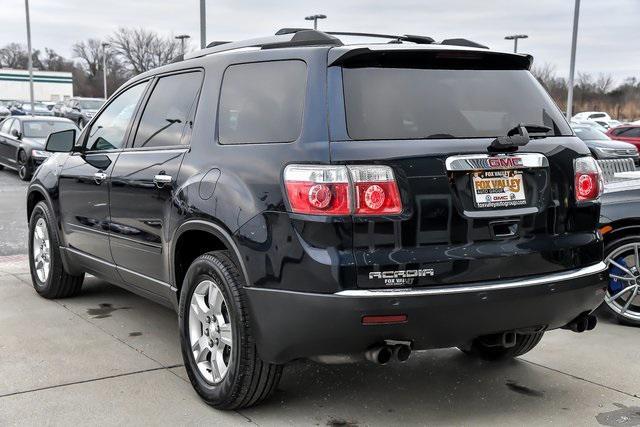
(524, 344)
(48, 275)
(218, 347)
(623, 293)
(24, 169)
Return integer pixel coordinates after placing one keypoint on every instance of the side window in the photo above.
(168, 110)
(262, 102)
(633, 133)
(6, 125)
(108, 130)
(619, 131)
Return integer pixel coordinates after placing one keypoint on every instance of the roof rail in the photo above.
(299, 38)
(392, 37)
(463, 42)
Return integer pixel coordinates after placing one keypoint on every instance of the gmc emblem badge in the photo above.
(505, 162)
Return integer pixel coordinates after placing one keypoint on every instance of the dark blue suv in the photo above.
(295, 197)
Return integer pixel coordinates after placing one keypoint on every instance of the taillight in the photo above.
(588, 179)
(376, 191)
(342, 190)
(320, 190)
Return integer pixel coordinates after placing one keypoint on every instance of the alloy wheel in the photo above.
(41, 250)
(210, 332)
(623, 293)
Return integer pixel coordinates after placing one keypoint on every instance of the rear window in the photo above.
(409, 103)
(42, 129)
(589, 134)
(262, 102)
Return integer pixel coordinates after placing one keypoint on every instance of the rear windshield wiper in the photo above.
(516, 137)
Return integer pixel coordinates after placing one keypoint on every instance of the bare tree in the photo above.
(141, 50)
(14, 55)
(604, 83)
(90, 54)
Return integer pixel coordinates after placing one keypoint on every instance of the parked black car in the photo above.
(620, 225)
(80, 110)
(604, 148)
(296, 197)
(22, 141)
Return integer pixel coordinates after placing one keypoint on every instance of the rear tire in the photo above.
(524, 344)
(213, 298)
(48, 275)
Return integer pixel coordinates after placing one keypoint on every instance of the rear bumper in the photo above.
(289, 325)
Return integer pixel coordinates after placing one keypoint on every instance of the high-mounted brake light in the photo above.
(342, 190)
(588, 179)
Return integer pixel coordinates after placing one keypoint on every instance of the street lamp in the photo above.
(515, 38)
(182, 38)
(315, 18)
(104, 67)
(30, 60)
(203, 25)
(572, 66)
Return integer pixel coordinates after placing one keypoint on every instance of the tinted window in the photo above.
(262, 102)
(42, 129)
(408, 103)
(632, 133)
(6, 125)
(168, 110)
(108, 130)
(590, 134)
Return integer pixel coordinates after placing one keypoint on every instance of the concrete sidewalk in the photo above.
(110, 357)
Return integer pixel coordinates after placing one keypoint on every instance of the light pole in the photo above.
(203, 25)
(104, 67)
(572, 66)
(315, 18)
(182, 38)
(515, 38)
(30, 60)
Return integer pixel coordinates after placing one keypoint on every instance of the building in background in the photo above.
(47, 85)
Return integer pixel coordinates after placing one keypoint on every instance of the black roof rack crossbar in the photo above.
(404, 38)
(298, 38)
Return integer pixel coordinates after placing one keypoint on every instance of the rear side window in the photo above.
(168, 110)
(262, 102)
(414, 103)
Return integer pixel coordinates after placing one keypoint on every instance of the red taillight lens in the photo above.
(328, 190)
(320, 190)
(588, 179)
(376, 191)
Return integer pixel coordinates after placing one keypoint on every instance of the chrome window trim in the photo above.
(491, 286)
(471, 162)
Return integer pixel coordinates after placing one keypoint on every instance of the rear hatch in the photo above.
(469, 214)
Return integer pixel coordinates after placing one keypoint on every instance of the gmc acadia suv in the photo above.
(295, 197)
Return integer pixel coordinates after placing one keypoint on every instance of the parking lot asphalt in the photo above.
(110, 357)
(13, 216)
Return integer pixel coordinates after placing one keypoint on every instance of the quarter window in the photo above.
(262, 102)
(109, 129)
(168, 110)
(6, 125)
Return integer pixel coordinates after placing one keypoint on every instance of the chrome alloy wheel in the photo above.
(210, 331)
(623, 293)
(41, 250)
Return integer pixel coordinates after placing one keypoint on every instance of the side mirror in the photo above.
(61, 142)
(16, 133)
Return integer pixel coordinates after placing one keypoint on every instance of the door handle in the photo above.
(161, 180)
(98, 177)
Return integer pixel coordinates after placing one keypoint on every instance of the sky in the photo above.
(608, 37)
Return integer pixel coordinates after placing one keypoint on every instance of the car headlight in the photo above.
(40, 154)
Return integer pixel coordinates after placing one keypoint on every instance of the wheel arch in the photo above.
(203, 236)
(622, 228)
(35, 195)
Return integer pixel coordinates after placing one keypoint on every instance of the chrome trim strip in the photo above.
(491, 286)
(470, 162)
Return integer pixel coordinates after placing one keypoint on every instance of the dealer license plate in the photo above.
(497, 189)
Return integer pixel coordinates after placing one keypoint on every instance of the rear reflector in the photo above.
(588, 179)
(384, 320)
(342, 190)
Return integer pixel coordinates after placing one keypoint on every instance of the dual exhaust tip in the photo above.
(582, 323)
(384, 353)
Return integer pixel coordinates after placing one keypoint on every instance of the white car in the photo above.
(600, 117)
